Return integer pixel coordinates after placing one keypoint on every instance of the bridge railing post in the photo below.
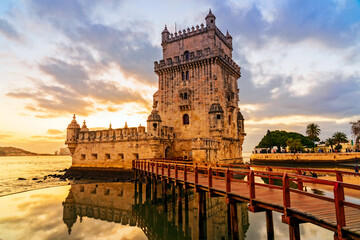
(339, 208)
(210, 177)
(157, 168)
(339, 176)
(148, 164)
(162, 169)
(300, 182)
(271, 180)
(152, 167)
(196, 172)
(286, 193)
(228, 180)
(176, 171)
(133, 164)
(185, 173)
(251, 180)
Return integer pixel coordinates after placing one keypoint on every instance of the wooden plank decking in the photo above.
(333, 213)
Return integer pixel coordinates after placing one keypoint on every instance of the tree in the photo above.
(279, 138)
(339, 137)
(294, 145)
(313, 131)
(355, 130)
(330, 142)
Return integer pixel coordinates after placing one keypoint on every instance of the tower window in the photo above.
(187, 55)
(229, 119)
(186, 119)
(183, 76)
(107, 156)
(155, 126)
(218, 116)
(212, 21)
(187, 75)
(185, 96)
(120, 156)
(83, 156)
(136, 155)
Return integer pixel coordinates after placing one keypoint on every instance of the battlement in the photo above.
(185, 33)
(122, 134)
(199, 55)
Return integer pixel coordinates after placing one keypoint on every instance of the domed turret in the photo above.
(69, 212)
(153, 123)
(73, 130)
(165, 34)
(84, 127)
(216, 117)
(210, 20)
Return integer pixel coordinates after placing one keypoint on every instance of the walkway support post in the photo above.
(154, 193)
(300, 182)
(179, 200)
(269, 225)
(339, 208)
(164, 194)
(202, 214)
(233, 229)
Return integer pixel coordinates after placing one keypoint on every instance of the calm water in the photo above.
(109, 211)
(30, 167)
(113, 210)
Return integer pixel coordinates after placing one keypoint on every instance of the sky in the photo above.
(300, 64)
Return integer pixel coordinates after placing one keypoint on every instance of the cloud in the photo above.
(73, 91)
(54, 131)
(334, 23)
(8, 30)
(124, 44)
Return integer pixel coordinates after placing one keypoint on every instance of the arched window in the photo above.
(185, 96)
(186, 119)
(187, 55)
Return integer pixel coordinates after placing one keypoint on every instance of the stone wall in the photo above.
(305, 157)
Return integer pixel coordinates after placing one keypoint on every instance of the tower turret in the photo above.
(165, 34)
(69, 212)
(72, 134)
(154, 123)
(210, 20)
(216, 115)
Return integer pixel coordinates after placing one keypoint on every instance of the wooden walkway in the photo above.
(298, 206)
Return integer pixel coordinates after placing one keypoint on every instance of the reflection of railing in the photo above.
(333, 213)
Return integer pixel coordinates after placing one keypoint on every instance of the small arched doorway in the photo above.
(168, 152)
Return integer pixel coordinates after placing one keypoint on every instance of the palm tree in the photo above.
(355, 130)
(339, 137)
(313, 131)
(330, 142)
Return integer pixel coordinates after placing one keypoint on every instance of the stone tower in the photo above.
(198, 93)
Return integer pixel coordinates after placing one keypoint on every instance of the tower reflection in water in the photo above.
(160, 217)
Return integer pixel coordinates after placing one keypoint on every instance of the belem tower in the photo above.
(195, 111)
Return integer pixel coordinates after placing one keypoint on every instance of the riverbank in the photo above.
(332, 158)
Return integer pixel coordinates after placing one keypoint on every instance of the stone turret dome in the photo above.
(154, 116)
(216, 108)
(74, 123)
(165, 30)
(210, 14)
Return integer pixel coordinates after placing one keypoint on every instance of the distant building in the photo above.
(195, 110)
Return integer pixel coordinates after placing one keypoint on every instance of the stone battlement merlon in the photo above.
(200, 55)
(120, 134)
